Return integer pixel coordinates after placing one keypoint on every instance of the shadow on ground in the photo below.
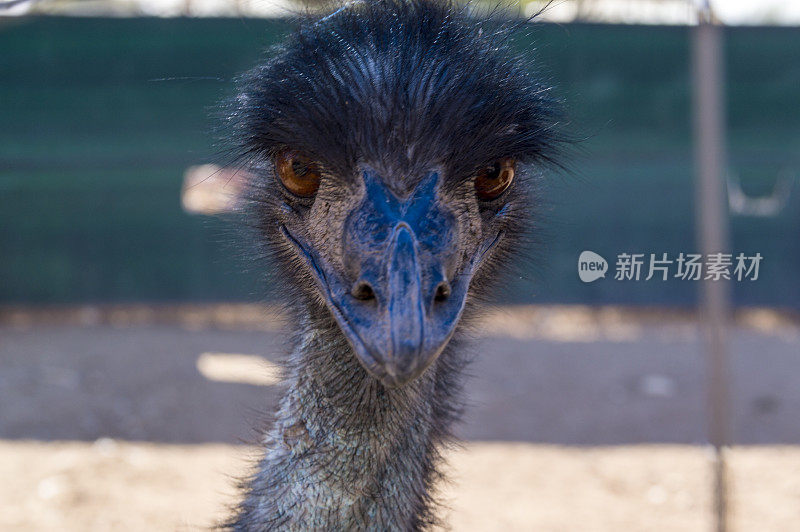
(64, 382)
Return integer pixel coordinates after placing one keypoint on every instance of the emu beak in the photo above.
(403, 305)
(402, 248)
(396, 350)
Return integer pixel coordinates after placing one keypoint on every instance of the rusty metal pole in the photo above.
(712, 233)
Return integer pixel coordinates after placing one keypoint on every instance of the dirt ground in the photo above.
(110, 485)
(579, 419)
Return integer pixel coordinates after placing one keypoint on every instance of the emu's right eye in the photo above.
(494, 180)
(300, 175)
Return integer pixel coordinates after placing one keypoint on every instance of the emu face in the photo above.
(391, 142)
(394, 263)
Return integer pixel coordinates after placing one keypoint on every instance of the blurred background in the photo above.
(138, 344)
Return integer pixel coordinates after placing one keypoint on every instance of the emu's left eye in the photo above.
(494, 180)
(300, 175)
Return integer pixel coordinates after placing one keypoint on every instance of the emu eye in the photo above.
(299, 174)
(494, 180)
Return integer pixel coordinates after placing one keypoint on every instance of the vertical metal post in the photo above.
(712, 234)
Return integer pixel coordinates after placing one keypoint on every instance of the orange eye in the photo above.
(494, 180)
(299, 174)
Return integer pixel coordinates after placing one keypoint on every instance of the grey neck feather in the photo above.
(346, 453)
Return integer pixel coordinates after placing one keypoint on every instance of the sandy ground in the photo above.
(109, 485)
(578, 420)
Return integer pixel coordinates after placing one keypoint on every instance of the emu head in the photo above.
(391, 142)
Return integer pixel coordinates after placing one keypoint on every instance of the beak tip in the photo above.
(392, 379)
(399, 371)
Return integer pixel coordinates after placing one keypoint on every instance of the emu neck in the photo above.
(345, 452)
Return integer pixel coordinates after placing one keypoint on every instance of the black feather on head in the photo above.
(400, 81)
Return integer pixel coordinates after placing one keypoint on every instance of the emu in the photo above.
(394, 147)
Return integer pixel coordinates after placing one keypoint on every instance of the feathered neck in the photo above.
(345, 452)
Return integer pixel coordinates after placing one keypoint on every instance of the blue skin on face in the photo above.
(400, 296)
(400, 248)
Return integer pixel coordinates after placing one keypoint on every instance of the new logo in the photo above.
(591, 266)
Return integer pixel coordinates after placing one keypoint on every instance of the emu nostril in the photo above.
(442, 291)
(363, 291)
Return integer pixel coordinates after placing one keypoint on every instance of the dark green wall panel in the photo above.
(97, 128)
